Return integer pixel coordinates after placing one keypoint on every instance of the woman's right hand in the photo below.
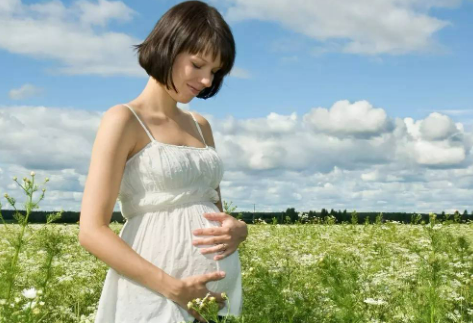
(193, 287)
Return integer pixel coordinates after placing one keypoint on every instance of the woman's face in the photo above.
(191, 74)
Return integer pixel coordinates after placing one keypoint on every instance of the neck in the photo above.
(155, 100)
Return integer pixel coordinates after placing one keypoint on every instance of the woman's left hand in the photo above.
(232, 233)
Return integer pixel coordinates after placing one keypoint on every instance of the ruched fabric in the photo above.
(164, 192)
(152, 201)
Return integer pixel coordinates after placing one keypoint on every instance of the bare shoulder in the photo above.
(121, 119)
(118, 113)
(205, 127)
(117, 130)
(200, 119)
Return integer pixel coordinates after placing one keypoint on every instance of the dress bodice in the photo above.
(163, 175)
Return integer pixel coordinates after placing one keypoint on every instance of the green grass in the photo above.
(291, 273)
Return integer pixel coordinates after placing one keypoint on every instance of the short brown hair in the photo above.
(191, 26)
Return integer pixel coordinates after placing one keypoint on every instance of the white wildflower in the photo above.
(455, 283)
(460, 275)
(372, 301)
(27, 305)
(64, 279)
(29, 293)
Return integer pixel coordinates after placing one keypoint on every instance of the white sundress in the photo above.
(164, 192)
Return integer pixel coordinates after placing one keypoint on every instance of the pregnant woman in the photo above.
(161, 163)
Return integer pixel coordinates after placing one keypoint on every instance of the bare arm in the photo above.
(113, 143)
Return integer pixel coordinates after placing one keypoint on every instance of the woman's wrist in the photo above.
(161, 282)
(175, 288)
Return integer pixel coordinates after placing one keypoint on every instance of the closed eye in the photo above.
(199, 67)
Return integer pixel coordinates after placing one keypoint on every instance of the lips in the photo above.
(194, 90)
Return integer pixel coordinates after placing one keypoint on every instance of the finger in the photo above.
(214, 231)
(218, 216)
(200, 242)
(214, 276)
(223, 255)
(212, 241)
(217, 248)
(203, 242)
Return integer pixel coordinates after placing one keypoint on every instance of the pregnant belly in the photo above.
(230, 265)
(193, 262)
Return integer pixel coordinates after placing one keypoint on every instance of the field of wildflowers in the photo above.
(382, 272)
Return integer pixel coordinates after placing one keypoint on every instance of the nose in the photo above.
(207, 80)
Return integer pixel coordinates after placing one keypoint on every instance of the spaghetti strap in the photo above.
(198, 128)
(141, 122)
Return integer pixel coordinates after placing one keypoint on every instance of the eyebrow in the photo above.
(219, 67)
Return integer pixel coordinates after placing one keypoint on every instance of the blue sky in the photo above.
(400, 60)
(281, 80)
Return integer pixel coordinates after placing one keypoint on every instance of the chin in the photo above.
(185, 100)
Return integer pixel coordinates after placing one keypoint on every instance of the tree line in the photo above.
(290, 216)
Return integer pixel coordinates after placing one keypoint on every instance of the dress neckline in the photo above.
(149, 144)
(151, 137)
(181, 146)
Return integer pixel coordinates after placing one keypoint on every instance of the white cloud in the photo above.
(9, 6)
(437, 140)
(52, 10)
(273, 124)
(371, 176)
(51, 31)
(63, 191)
(437, 127)
(458, 112)
(438, 153)
(345, 119)
(274, 162)
(240, 73)
(24, 92)
(341, 168)
(55, 143)
(100, 13)
(361, 27)
(47, 138)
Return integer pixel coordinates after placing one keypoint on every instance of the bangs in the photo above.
(208, 42)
